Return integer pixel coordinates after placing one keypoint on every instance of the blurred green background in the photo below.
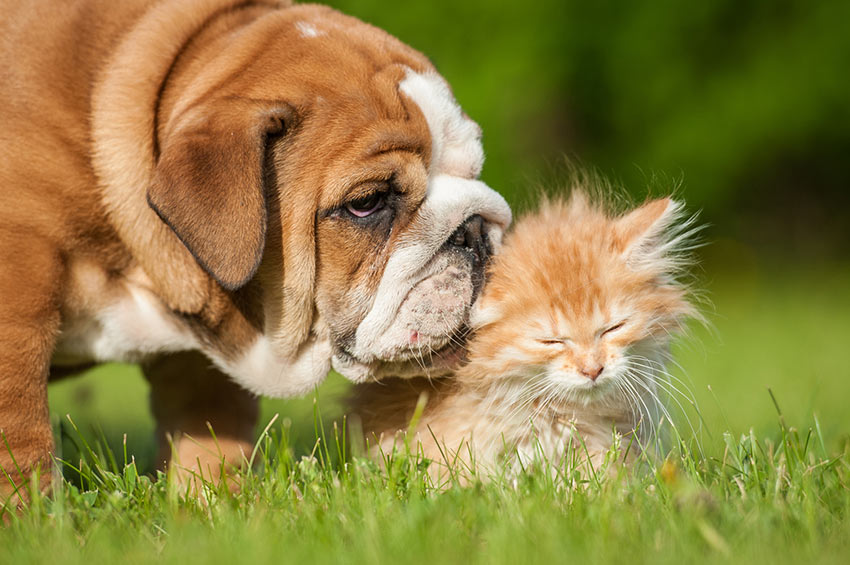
(745, 105)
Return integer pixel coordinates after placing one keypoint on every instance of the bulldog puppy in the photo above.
(239, 196)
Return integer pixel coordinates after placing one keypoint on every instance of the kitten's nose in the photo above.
(592, 371)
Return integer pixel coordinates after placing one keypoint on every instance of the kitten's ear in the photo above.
(642, 231)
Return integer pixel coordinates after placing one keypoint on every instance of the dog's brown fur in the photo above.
(115, 117)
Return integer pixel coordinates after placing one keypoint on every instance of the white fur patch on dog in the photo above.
(455, 139)
(307, 29)
(262, 371)
(131, 324)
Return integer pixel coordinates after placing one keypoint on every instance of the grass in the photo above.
(783, 499)
(772, 485)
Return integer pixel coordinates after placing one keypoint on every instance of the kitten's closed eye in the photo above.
(565, 340)
(553, 340)
(613, 328)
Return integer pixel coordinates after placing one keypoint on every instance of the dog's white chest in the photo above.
(117, 320)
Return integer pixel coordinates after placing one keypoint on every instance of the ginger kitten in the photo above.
(571, 335)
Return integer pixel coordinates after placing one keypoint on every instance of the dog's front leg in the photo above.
(30, 274)
(189, 397)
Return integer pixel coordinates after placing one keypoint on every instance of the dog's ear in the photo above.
(208, 184)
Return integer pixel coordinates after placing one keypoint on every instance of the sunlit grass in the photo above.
(782, 498)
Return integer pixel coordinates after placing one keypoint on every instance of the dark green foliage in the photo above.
(745, 102)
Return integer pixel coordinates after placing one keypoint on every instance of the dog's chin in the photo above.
(410, 364)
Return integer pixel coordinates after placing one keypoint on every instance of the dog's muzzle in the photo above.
(435, 274)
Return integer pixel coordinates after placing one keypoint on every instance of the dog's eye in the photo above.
(367, 205)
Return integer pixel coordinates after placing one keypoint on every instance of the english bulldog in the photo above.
(240, 196)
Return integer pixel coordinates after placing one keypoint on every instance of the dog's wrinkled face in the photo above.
(403, 228)
(424, 234)
(378, 231)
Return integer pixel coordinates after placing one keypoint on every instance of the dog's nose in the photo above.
(470, 236)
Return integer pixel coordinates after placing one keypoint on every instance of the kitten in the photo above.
(570, 339)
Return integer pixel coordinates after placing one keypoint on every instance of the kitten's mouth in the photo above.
(574, 389)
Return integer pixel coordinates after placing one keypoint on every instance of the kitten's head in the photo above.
(581, 303)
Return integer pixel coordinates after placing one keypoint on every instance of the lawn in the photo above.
(768, 488)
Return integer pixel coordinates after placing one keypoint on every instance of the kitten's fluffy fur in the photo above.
(571, 336)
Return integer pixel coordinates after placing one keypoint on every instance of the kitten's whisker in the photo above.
(517, 401)
(656, 366)
(655, 411)
(516, 410)
(635, 397)
(670, 359)
(629, 403)
(539, 393)
(645, 417)
(670, 390)
(670, 386)
(505, 386)
(546, 399)
(659, 375)
(663, 377)
(675, 399)
(660, 409)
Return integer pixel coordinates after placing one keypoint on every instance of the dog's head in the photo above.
(330, 164)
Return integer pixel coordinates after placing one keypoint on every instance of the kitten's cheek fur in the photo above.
(483, 313)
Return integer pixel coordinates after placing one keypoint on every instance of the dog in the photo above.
(240, 196)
